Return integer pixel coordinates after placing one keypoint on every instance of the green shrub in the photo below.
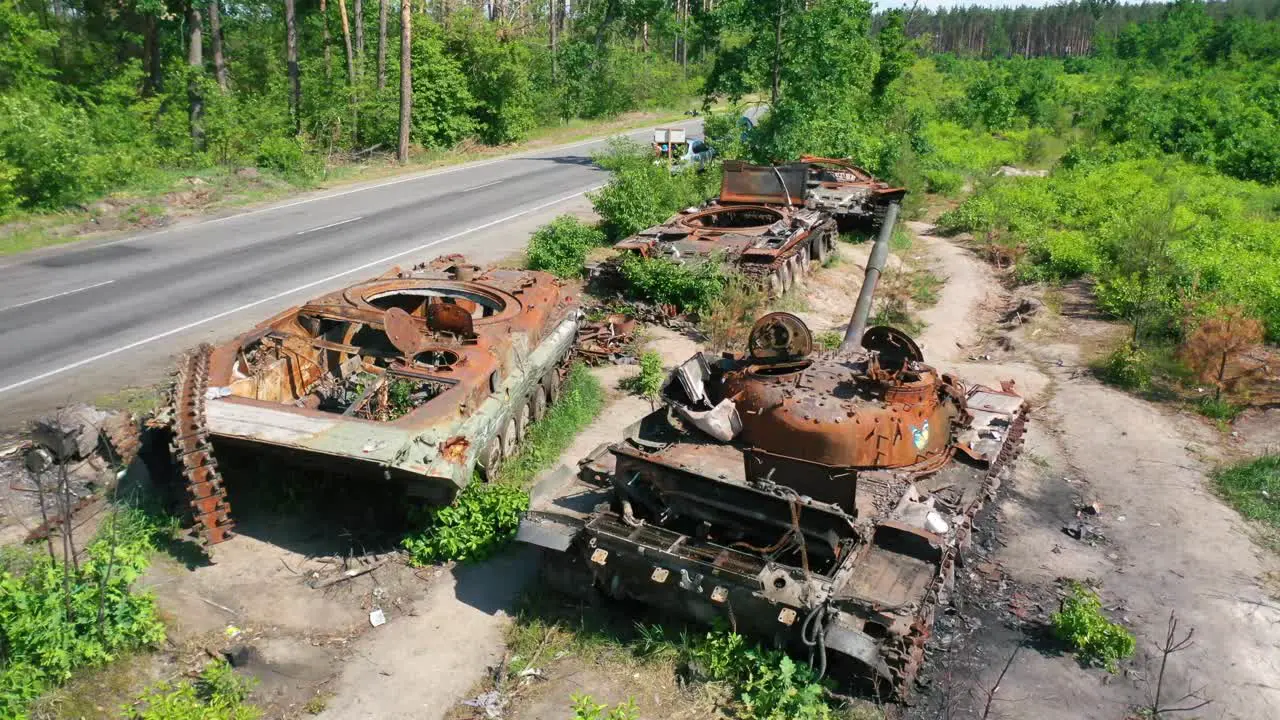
(829, 340)
(943, 182)
(219, 694)
(768, 684)
(1253, 488)
(1218, 409)
(642, 193)
(481, 519)
(1082, 626)
(49, 615)
(287, 155)
(1060, 255)
(561, 246)
(668, 282)
(585, 707)
(1127, 367)
(648, 382)
(48, 144)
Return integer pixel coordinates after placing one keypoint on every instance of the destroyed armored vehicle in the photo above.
(848, 192)
(817, 500)
(416, 377)
(758, 227)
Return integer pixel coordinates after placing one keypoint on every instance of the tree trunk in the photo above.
(346, 41)
(777, 55)
(215, 41)
(155, 76)
(382, 44)
(295, 83)
(406, 81)
(324, 39)
(552, 23)
(359, 10)
(195, 58)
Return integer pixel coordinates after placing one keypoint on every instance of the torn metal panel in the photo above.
(846, 190)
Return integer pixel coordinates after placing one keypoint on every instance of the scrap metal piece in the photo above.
(848, 192)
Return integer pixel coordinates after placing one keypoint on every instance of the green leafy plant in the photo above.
(769, 685)
(1082, 626)
(219, 694)
(561, 246)
(585, 707)
(56, 619)
(481, 519)
(648, 382)
(1127, 367)
(829, 340)
(659, 280)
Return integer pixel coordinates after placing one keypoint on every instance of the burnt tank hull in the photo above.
(849, 193)
(417, 377)
(818, 502)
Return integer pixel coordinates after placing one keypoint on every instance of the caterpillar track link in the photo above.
(193, 452)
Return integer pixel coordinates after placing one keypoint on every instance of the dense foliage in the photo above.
(768, 684)
(98, 97)
(643, 193)
(218, 694)
(56, 619)
(480, 520)
(1253, 488)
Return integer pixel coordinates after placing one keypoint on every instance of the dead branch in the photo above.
(1172, 644)
(349, 574)
(991, 694)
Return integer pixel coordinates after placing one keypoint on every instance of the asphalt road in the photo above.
(80, 320)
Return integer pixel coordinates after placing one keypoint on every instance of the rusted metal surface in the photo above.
(846, 190)
(817, 498)
(758, 227)
(414, 377)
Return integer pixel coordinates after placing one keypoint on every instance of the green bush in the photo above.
(663, 281)
(1127, 367)
(561, 246)
(219, 694)
(768, 684)
(48, 144)
(1060, 255)
(943, 182)
(286, 155)
(482, 518)
(55, 620)
(642, 193)
(1082, 626)
(648, 382)
(580, 402)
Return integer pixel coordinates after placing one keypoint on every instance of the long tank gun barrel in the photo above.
(875, 266)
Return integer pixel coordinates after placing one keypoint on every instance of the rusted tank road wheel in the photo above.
(551, 383)
(490, 458)
(538, 403)
(509, 439)
(524, 417)
(784, 278)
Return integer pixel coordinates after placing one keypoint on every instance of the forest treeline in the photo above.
(94, 96)
(1081, 27)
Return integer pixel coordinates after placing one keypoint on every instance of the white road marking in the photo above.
(290, 291)
(397, 181)
(488, 184)
(57, 295)
(335, 224)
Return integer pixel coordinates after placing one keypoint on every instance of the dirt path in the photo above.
(1170, 544)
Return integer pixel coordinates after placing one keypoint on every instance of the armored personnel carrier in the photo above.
(817, 500)
(759, 226)
(416, 377)
(848, 192)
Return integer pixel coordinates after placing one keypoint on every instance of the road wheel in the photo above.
(490, 458)
(523, 419)
(784, 278)
(509, 439)
(775, 285)
(820, 249)
(538, 403)
(551, 383)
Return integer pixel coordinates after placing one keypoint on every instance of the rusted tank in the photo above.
(416, 377)
(817, 500)
(848, 192)
(758, 226)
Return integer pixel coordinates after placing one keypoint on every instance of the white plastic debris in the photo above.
(934, 523)
(214, 393)
(377, 618)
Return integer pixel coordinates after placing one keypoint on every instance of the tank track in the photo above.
(193, 452)
(907, 656)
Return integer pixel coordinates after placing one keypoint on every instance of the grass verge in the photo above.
(170, 193)
(1253, 488)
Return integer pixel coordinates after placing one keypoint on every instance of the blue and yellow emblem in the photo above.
(920, 435)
